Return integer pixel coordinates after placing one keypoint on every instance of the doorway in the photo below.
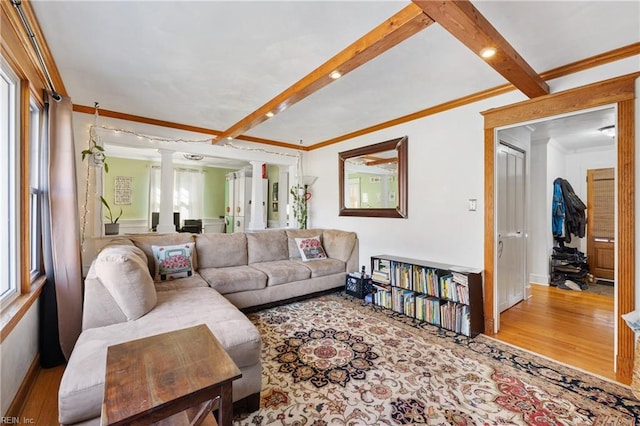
(620, 92)
(564, 305)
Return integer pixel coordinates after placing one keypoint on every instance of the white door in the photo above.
(510, 276)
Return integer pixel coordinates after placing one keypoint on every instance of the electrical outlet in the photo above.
(473, 204)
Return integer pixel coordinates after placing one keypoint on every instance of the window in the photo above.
(187, 192)
(9, 184)
(35, 189)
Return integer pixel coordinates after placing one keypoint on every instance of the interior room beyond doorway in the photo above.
(555, 318)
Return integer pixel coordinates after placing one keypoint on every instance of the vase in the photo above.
(111, 228)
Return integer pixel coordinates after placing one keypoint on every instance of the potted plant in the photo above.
(300, 198)
(113, 227)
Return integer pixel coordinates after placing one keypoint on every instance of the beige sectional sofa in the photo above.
(230, 271)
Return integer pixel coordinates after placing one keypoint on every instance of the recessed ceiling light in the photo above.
(269, 114)
(230, 138)
(335, 75)
(488, 52)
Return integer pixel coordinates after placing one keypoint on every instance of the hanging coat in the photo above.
(575, 220)
(557, 211)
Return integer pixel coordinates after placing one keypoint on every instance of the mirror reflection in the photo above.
(373, 180)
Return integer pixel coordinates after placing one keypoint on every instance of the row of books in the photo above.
(403, 301)
(453, 290)
(382, 297)
(455, 317)
(453, 286)
(428, 309)
(449, 315)
(381, 271)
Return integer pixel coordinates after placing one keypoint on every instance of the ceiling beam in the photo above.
(407, 22)
(467, 24)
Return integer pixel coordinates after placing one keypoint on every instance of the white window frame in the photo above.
(9, 183)
(35, 189)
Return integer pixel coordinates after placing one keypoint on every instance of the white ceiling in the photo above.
(210, 63)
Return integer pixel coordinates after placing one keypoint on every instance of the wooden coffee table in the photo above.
(169, 378)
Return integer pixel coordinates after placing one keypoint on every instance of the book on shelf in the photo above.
(380, 276)
(460, 278)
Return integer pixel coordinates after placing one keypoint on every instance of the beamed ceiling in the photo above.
(220, 67)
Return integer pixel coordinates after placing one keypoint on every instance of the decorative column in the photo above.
(283, 196)
(257, 197)
(165, 221)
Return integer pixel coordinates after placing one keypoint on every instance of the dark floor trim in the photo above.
(269, 305)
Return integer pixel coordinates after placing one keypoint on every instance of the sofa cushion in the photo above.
(173, 262)
(82, 386)
(145, 242)
(221, 250)
(339, 244)
(193, 281)
(234, 278)
(283, 271)
(324, 267)
(311, 248)
(267, 246)
(123, 272)
(292, 234)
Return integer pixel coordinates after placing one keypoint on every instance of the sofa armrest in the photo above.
(342, 245)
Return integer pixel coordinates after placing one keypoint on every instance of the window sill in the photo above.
(12, 314)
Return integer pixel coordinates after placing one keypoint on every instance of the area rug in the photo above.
(336, 360)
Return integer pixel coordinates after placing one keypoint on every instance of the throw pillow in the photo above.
(173, 261)
(124, 273)
(310, 248)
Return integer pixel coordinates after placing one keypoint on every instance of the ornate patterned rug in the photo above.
(335, 360)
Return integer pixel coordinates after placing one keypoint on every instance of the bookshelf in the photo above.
(447, 296)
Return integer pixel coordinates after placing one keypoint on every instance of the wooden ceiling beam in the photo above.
(407, 22)
(467, 24)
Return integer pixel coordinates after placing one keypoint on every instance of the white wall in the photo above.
(446, 168)
(17, 352)
(577, 164)
(539, 223)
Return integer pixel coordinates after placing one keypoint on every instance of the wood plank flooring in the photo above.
(41, 404)
(574, 328)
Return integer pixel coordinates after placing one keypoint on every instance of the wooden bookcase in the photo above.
(447, 296)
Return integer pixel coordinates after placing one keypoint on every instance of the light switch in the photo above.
(473, 204)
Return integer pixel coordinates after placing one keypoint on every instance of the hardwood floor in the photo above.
(572, 327)
(41, 404)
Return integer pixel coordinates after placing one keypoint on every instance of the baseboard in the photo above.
(15, 408)
(539, 279)
(269, 305)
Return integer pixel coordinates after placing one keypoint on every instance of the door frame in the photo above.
(619, 91)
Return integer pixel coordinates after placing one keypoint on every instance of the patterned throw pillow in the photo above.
(310, 248)
(173, 261)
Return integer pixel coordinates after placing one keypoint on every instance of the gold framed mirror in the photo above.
(373, 180)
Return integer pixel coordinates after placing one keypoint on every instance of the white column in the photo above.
(283, 195)
(165, 221)
(257, 197)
